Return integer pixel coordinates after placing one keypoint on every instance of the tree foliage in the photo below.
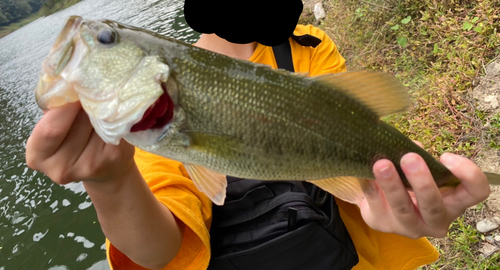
(15, 10)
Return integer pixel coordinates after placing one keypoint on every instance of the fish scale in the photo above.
(282, 129)
(349, 155)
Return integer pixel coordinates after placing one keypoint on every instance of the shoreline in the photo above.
(6, 30)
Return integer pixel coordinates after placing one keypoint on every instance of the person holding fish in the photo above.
(228, 130)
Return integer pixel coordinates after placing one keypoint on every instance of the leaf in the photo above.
(402, 41)
(359, 13)
(395, 27)
(406, 20)
(467, 26)
(436, 48)
(475, 19)
(478, 29)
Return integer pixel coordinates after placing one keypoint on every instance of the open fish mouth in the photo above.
(65, 44)
(53, 88)
(63, 48)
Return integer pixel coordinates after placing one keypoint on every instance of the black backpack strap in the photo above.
(283, 56)
(283, 52)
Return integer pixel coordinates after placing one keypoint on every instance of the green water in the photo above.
(43, 225)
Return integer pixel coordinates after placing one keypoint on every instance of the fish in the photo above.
(222, 116)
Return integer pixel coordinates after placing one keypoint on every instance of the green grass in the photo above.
(460, 249)
(5, 30)
(437, 49)
(44, 11)
(493, 133)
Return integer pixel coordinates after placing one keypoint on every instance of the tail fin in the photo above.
(493, 178)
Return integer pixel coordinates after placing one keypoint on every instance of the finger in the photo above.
(396, 194)
(92, 157)
(430, 202)
(103, 152)
(374, 205)
(50, 132)
(100, 159)
(474, 186)
(76, 140)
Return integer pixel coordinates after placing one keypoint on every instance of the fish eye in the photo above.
(106, 36)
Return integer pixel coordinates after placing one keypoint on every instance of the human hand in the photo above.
(65, 147)
(426, 210)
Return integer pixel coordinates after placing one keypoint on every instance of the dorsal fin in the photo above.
(381, 92)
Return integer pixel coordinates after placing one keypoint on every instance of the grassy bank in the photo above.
(438, 49)
(44, 11)
(5, 30)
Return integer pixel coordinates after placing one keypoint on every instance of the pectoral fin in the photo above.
(349, 189)
(211, 183)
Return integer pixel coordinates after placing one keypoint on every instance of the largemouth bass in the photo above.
(222, 116)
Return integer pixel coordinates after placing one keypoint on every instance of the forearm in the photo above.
(65, 146)
(134, 221)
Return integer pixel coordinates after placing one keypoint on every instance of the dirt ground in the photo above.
(487, 96)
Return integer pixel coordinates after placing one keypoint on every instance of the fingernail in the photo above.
(411, 164)
(448, 160)
(385, 172)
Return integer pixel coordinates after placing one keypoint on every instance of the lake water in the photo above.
(43, 225)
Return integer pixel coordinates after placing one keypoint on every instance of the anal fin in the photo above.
(346, 188)
(211, 183)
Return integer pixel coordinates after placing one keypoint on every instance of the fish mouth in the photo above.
(53, 89)
(63, 47)
(157, 115)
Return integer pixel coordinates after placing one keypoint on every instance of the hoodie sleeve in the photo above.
(170, 183)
